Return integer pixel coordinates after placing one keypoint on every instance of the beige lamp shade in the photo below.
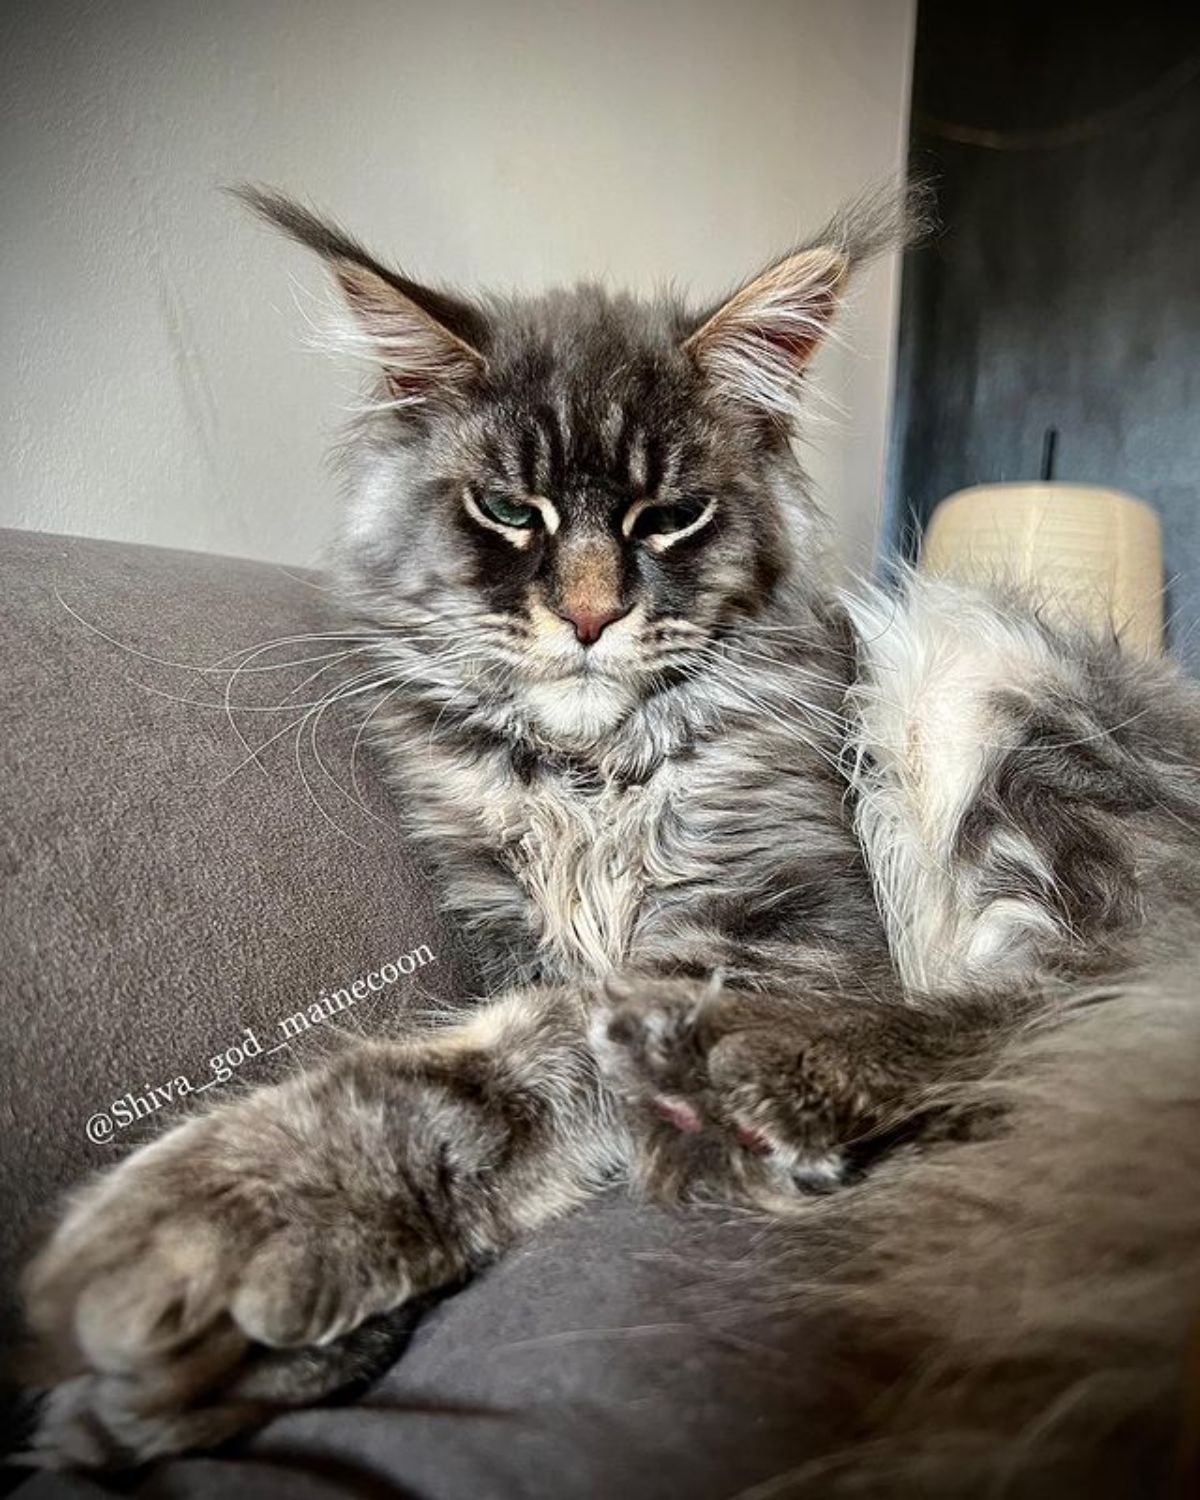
(1088, 554)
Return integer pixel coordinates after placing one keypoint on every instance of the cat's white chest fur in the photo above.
(582, 859)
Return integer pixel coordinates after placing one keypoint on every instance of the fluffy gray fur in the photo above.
(778, 894)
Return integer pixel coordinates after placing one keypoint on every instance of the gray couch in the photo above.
(163, 895)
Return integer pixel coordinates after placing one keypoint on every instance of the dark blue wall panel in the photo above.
(1064, 288)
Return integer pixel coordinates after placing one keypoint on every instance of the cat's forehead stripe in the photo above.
(610, 427)
(541, 456)
(533, 476)
(553, 433)
(635, 453)
(632, 465)
(653, 477)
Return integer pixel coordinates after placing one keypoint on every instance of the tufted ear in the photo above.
(755, 347)
(419, 354)
(426, 342)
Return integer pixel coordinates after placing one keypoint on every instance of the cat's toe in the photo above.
(122, 1284)
(300, 1290)
(649, 1037)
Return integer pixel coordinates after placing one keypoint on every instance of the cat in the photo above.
(768, 886)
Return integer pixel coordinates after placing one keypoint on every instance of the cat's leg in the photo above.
(290, 1217)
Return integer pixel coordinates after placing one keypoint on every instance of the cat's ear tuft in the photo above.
(426, 342)
(755, 347)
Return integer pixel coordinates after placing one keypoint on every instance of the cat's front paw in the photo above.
(737, 1093)
(278, 1223)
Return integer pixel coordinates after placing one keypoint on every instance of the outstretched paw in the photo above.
(734, 1092)
(215, 1274)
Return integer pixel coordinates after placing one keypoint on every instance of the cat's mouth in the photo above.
(587, 668)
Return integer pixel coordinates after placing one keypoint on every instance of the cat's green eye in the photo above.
(506, 512)
(664, 520)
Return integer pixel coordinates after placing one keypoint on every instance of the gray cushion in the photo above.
(161, 895)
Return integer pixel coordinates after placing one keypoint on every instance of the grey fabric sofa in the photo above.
(168, 901)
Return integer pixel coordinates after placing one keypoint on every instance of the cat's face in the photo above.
(585, 505)
(564, 500)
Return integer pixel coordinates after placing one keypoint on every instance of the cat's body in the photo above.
(573, 861)
(763, 885)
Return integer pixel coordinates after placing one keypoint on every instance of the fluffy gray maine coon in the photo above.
(878, 916)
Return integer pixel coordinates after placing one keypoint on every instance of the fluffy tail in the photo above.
(1024, 1308)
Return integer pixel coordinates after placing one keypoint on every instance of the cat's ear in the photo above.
(754, 347)
(427, 343)
(420, 353)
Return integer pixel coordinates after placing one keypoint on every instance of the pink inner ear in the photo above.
(799, 346)
(418, 354)
(403, 386)
(796, 346)
(756, 347)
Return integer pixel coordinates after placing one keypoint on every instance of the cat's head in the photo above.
(564, 499)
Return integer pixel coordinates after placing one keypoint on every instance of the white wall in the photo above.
(155, 383)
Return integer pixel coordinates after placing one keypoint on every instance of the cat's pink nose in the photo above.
(590, 624)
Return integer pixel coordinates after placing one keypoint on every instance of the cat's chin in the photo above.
(579, 709)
